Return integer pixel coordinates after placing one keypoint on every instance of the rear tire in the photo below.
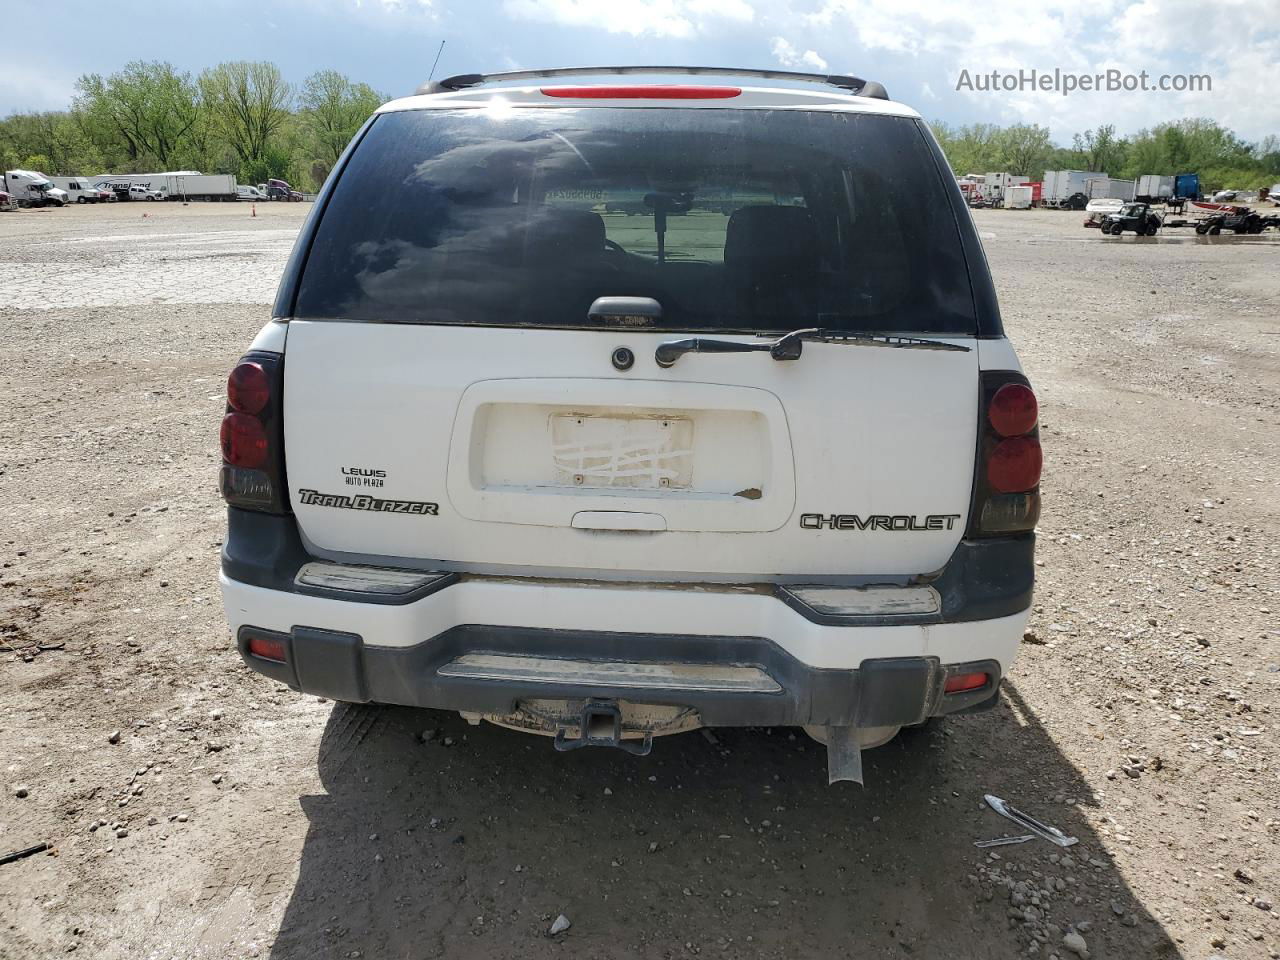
(1214, 230)
(1151, 229)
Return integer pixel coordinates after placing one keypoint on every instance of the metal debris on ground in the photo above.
(22, 854)
(1004, 841)
(1052, 834)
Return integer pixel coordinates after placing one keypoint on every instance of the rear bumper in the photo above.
(770, 661)
(881, 692)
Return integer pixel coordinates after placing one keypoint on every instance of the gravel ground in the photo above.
(197, 810)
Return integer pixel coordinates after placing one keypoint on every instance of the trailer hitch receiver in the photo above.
(601, 726)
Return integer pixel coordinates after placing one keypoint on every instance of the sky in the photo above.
(919, 49)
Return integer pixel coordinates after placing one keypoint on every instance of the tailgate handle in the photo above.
(619, 520)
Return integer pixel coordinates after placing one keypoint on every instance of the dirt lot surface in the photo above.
(197, 810)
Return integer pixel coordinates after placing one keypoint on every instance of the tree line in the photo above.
(245, 118)
(240, 117)
(1182, 146)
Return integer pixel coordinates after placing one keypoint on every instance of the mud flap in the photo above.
(844, 755)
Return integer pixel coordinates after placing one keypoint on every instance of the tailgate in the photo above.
(484, 448)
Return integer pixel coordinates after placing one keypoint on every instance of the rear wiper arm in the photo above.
(789, 345)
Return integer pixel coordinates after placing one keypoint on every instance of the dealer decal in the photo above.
(313, 498)
(878, 521)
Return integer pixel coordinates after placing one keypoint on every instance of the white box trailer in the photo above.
(1154, 187)
(206, 186)
(1060, 185)
(997, 183)
(1105, 188)
(1018, 197)
(175, 185)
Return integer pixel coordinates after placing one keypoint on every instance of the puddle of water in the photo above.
(1263, 238)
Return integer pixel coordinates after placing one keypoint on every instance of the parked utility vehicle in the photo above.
(1137, 217)
(606, 477)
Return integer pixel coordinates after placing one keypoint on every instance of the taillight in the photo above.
(252, 435)
(1006, 489)
(248, 388)
(244, 441)
(1013, 410)
(1014, 465)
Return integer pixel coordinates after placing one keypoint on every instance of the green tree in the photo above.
(247, 104)
(333, 109)
(1024, 149)
(969, 149)
(148, 108)
(1100, 150)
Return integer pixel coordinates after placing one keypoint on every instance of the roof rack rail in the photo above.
(855, 85)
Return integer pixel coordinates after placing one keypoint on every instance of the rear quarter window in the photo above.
(733, 220)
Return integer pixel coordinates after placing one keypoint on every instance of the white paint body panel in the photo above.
(624, 608)
(463, 417)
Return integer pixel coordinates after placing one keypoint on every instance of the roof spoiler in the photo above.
(465, 81)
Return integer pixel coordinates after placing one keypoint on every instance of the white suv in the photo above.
(613, 410)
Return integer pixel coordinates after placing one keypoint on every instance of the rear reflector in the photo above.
(964, 682)
(268, 648)
(647, 92)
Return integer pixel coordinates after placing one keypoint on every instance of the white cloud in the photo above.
(656, 18)
(1232, 40)
(785, 52)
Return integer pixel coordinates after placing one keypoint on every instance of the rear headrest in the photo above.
(563, 233)
(784, 236)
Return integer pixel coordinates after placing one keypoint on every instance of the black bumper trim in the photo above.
(882, 692)
(983, 580)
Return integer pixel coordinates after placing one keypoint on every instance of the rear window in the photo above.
(733, 220)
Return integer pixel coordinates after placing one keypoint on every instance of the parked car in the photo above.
(596, 478)
(95, 194)
(137, 192)
(245, 191)
(7, 203)
(1077, 201)
(1098, 210)
(1137, 217)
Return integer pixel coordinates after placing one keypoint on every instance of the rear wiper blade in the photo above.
(789, 345)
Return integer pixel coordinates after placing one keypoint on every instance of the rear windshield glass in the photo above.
(733, 220)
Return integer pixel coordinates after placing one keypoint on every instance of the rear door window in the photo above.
(733, 220)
